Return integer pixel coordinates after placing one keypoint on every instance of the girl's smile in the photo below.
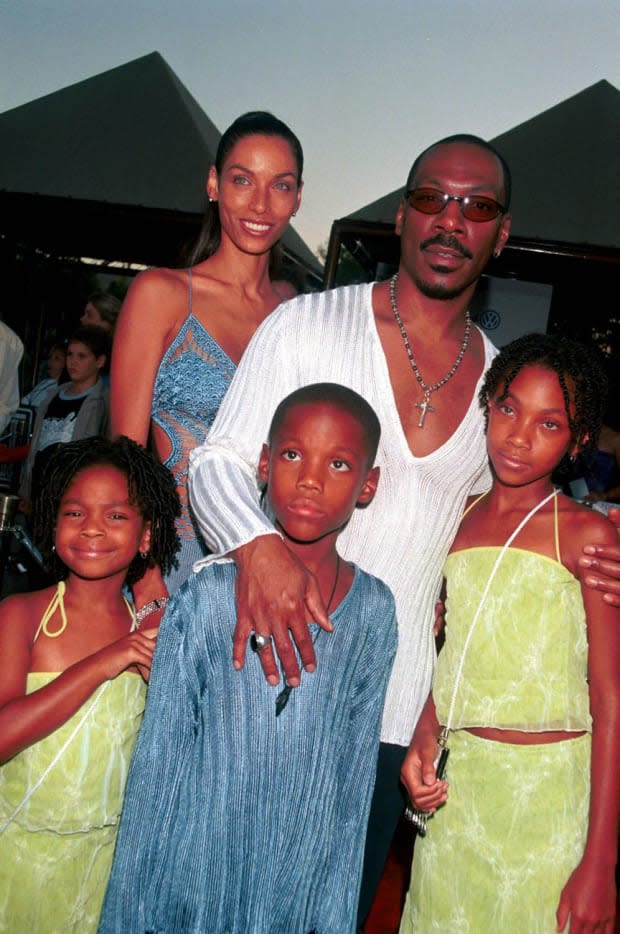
(98, 530)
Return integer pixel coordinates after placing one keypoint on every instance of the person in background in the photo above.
(55, 365)
(601, 468)
(79, 408)
(102, 310)
(11, 353)
(182, 332)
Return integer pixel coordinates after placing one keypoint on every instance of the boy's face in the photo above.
(82, 365)
(317, 471)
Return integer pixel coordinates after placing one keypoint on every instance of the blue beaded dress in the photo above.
(191, 381)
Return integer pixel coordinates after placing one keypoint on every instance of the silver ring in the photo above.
(260, 642)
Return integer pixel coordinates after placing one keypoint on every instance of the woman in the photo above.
(189, 327)
(102, 310)
(55, 367)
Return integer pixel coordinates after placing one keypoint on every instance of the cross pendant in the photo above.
(424, 406)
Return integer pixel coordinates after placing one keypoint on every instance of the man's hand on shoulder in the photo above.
(275, 595)
(603, 564)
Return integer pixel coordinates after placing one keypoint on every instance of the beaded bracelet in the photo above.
(159, 603)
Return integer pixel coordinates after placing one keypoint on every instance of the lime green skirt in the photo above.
(497, 855)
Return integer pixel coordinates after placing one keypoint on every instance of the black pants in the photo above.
(388, 803)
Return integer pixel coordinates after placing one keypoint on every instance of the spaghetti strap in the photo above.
(471, 505)
(556, 530)
(189, 297)
(58, 603)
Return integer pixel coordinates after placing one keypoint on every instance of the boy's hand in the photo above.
(604, 564)
(275, 595)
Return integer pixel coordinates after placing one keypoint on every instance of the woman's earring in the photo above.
(144, 555)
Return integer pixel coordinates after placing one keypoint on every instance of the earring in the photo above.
(496, 254)
(210, 200)
(144, 555)
(294, 214)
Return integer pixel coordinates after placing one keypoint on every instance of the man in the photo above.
(11, 352)
(406, 346)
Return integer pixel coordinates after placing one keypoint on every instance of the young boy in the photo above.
(246, 805)
(78, 409)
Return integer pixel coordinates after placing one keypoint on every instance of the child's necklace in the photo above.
(283, 696)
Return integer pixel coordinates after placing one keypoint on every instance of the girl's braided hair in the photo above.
(151, 488)
(580, 372)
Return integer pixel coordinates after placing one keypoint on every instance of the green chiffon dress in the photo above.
(498, 853)
(57, 834)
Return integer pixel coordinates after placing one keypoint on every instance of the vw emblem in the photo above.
(490, 320)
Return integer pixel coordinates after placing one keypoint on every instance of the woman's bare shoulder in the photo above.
(159, 294)
(160, 281)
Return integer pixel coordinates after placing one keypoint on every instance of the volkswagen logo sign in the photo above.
(490, 319)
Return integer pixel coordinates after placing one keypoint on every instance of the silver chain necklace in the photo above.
(425, 406)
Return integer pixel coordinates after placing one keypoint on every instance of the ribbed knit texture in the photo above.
(235, 820)
(404, 535)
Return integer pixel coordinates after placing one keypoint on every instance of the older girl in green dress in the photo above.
(528, 681)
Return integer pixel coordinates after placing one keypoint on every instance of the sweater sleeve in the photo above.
(156, 776)
(92, 418)
(222, 474)
(359, 759)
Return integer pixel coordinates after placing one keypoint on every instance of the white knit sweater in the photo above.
(404, 536)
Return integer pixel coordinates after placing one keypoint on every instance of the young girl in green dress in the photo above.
(528, 680)
(71, 693)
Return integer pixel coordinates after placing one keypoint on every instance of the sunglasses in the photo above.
(476, 208)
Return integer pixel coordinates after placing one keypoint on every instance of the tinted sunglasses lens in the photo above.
(426, 200)
(480, 209)
(433, 201)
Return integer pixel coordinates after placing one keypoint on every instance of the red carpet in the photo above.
(384, 917)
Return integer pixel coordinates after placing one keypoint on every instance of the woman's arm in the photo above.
(149, 317)
(589, 895)
(27, 718)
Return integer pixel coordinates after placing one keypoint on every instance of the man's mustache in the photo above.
(448, 241)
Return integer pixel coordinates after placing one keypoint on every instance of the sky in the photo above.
(365, 85)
